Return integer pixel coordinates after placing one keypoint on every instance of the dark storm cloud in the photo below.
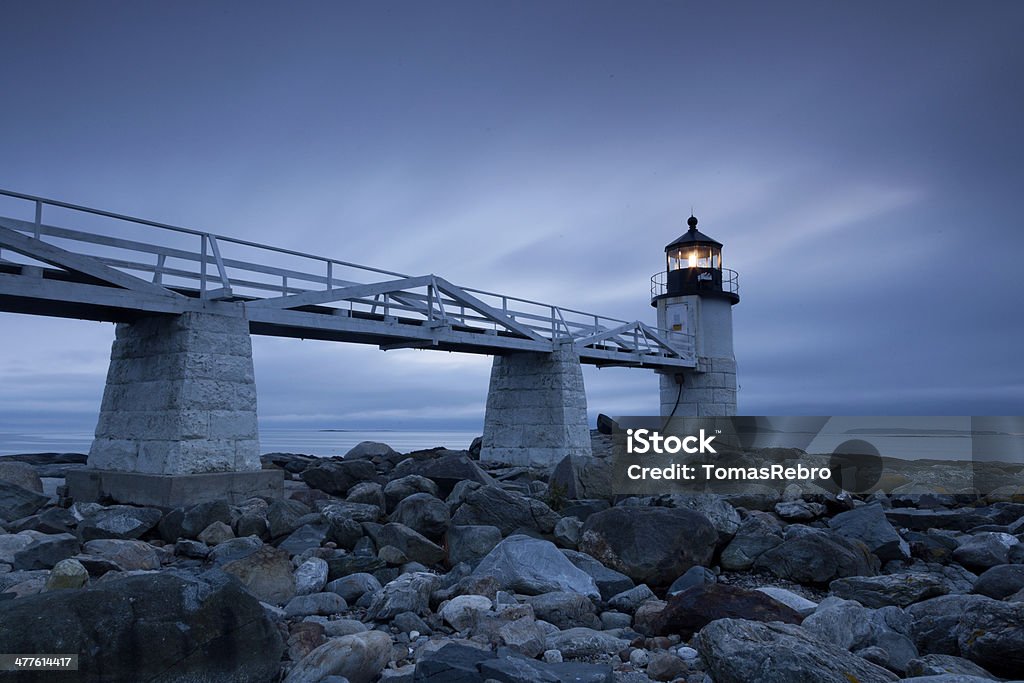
(861, 163)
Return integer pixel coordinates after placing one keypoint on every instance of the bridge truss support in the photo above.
(536, 409)
(178, 420)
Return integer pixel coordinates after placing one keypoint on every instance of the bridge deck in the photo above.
(117, 268)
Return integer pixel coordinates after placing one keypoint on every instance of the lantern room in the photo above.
(694, 266)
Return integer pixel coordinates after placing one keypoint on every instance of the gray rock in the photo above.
(369, 492)
(118, 521)
(694, 576)
(343, 627)
(985, 550)
(935, 622)
(17, 502)
(523, 635)
(452, 663)
(266, 573)
(797, 603)
(494, 506)
(283, 515)
(738, 651)
(922, 520)
(471, 543)
(799, 510)
(446, 471)
(47, 521)
(407, 622)
(336, 478)
(191, 549)
(869, 525)
(400, 488)
(609, 582)
(324, 604)
(20, 474)
(1001, 581)
(234, 549)
(532, 566)
(462, 611)
(45, 551)
(359, 658)
(193, 630)
(694, 608)
(650, 545)
(199, 517)
(567, 532)
(938, 665)
(126, 554)
(757, 534)
(715, 508)
(564, 610)
(613, 620)
(991, 633)
(66, 574)
(217, 532)
(305, 537)
(583, 476)
(665, 666)
(424, 513)
(407, 593)
(809, 555)
(354, 586)
(412, 544)
(368, 450)
(628, 601)
(359, 512)
(311, 576)
(900, 590)
(578, 643)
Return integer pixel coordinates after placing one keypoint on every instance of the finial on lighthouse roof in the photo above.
(692, 222)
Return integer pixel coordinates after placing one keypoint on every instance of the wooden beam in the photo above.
(323, 296)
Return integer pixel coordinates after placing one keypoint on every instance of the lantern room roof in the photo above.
(691, 237)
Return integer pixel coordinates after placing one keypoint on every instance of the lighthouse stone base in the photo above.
(707, 391)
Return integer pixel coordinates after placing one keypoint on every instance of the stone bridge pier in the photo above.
(178, 419)
(536, 409)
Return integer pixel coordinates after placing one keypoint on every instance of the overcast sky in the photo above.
(863, 164)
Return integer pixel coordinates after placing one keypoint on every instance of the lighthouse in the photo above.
(694, 297)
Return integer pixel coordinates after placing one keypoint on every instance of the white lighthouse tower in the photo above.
(694, 296)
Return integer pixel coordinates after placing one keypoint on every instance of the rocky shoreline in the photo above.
(427, 566)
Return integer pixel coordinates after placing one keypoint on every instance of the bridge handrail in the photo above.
(546, 319)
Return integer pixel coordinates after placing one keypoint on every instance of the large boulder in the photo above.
(696, 607)
(494, 506)
(408, 593)
(118, 521)
(17, 501)
(816, 556)
(740, 650)
(45, 551)
(21, 474)
(446, 471)
(935, 621)
(720, 513)
(608, 581)
(424, 513)
(126, 554)
(153, 627)
(991, 633)
(650, 545)
(471, 543)
(532, 566)
(757, 534)
(358, 658)
(582, 476)
(266, 573)
(1000, 581)
(412, 544)
(337, 477)
(564, 609)
(890, 589)
(869, 525)
(985, 550)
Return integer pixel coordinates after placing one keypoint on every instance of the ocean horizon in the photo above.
(317, 442)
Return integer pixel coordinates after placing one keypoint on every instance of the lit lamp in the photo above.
(694, 265)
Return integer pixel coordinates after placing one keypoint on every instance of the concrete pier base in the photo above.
(180, 400)
(173, 490)
(536, 409)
